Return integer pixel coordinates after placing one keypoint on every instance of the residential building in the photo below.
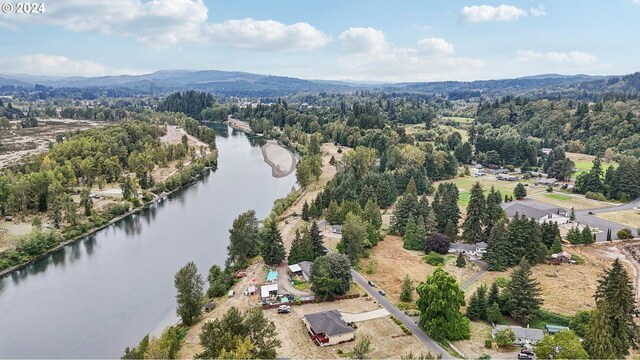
(336, 229)
(328, 328)
(267, 291)
(506, 177)
(476, 250)
(547, 182)
(550, 214)
(523, 336)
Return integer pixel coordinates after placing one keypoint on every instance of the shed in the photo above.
(266, 291)
(295, 269)
(306, 269)
(336, 229)
(251, 290)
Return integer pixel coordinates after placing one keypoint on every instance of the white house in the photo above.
(477, 249)
(524, 336)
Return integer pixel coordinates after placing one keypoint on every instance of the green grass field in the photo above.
(558, 196)
(584, 165)
(505, 187)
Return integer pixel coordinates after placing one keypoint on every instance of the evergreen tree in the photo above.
(608, 234)
(524, 294)
(411, 187)
(519, 191)
(406, 295)
(574, 235)
(244, 240)
(494, 294)
(557, 246)
(445, 200)
(460, 261)
(451, 230)
(406, 207)
(593, 181)
(409, 237)
(587, 235)
(421, 234)
(494, 211)
(273, 251)
(599, 337)
(317, 244)
(525, 237)
(372, 215)
(493, 313)
(299, 250)
(305, 211)
(354, 236)
(439, 302)
(616, 289)
(476, 215)
(572, 215)
(334, 215)
(477, 309)
(550, 232)
(189, 285)
(499, 250)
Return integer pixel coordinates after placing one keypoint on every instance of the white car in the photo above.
(284, 309)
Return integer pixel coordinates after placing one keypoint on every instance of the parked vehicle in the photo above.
(370, 283)
(526, 351)
(522, 356)
(590, 212)
(231, 293)
(381, 292)
(284, 309)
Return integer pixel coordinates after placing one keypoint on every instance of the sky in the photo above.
(359, 40)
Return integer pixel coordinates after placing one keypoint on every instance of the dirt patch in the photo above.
(281, 160)
(392, 262)
(630, 218)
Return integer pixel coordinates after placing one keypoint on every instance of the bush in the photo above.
(505, 337)
(434, 259)
(488, 344)
(549, 189)
(116, 209)
(577, 259)
(595, 196)
(625, 234)
(438, 243)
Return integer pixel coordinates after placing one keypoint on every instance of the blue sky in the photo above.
(374, 40)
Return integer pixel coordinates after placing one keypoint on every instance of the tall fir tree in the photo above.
(406, 295)
(524, 299)
(587, 235)
(599, 337)
(406, 206)
(477, 309)
(476, 215)
(371, 214)
(499, 250)
(421, 234)
(557, 246)
(519, 191)
(616, 289)
(409, 237)
(305, 211)
(273, 251)
(494, 294)
(494, 211)
(316, 240)
(445, 201)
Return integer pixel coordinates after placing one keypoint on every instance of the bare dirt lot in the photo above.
(20, 143)
(392, 262)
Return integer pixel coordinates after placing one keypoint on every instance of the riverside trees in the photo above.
(189, 285)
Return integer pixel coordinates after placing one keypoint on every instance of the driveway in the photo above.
(368, 315)
(435, 348)
(483, 269)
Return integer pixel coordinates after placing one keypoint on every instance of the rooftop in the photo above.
(266, 289)
(523, 333)
(529, 211)
(295, 268)
(329, 323)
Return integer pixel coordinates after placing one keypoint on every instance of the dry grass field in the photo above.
(630, 218)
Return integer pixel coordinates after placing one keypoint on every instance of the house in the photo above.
(251, 290)
(477, 249)
(500, 171)
(267, 291)
(479, 174)
(554, 329)
(547, 182)
(336, 229)
(524, 336)
(550, 214)
(562, 257)
(327, 328)
(506, 177)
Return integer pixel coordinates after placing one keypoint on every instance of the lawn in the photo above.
(567, 201)
(584, 162)
(461, 120)
(558, 196)
(505, 187)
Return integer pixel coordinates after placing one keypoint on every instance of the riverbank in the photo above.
(282, 160)
(239, 125)
(133, 210)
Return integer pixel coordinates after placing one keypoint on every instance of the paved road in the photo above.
(415, 329)
(483, 269)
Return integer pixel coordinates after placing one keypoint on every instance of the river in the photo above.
(93, 298)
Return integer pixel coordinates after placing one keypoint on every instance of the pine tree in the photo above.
(494, 294)
(608, 234)
(587, 235)
(524, 294)
(407, 206)
(574, 235)
(477, 309)
(334, 215)
(411, 187)
(409, 237)
(493, 313)
(421, 234)
(572, 215)
(273, 251)
(616, 289)
(305, 211)
(499, 249)
(599, 338)
(519, 191)
(372, 215)
(494, 211)
(460, 261)
(557, 246)
(315, 238)
(407, 289)
(451, 231)
(445, 200)
(476, 215)
(295, 253)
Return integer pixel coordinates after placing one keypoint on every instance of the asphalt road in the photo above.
(583, 217)
(483, 269)
(415, 329)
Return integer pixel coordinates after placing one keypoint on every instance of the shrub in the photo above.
(595, 196)
(488, 343)
(434, 259)
(625, 234)
(505, 337)
(549, 189)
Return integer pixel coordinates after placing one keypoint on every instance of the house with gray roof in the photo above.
(327, 328)
(523, 336)
(477, 249)
(549, 214)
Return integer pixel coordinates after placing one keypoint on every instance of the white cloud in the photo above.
(166, 23)
(572, 57)
(266, 35)
(436, 46)
(52, 65)
(539, 10)
(487, 13)
(367, 55)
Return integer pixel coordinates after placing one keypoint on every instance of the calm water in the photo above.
(105, 292)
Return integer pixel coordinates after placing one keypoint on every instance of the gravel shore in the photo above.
(281, 160)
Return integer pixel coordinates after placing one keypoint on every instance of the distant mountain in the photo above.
(236, 83)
